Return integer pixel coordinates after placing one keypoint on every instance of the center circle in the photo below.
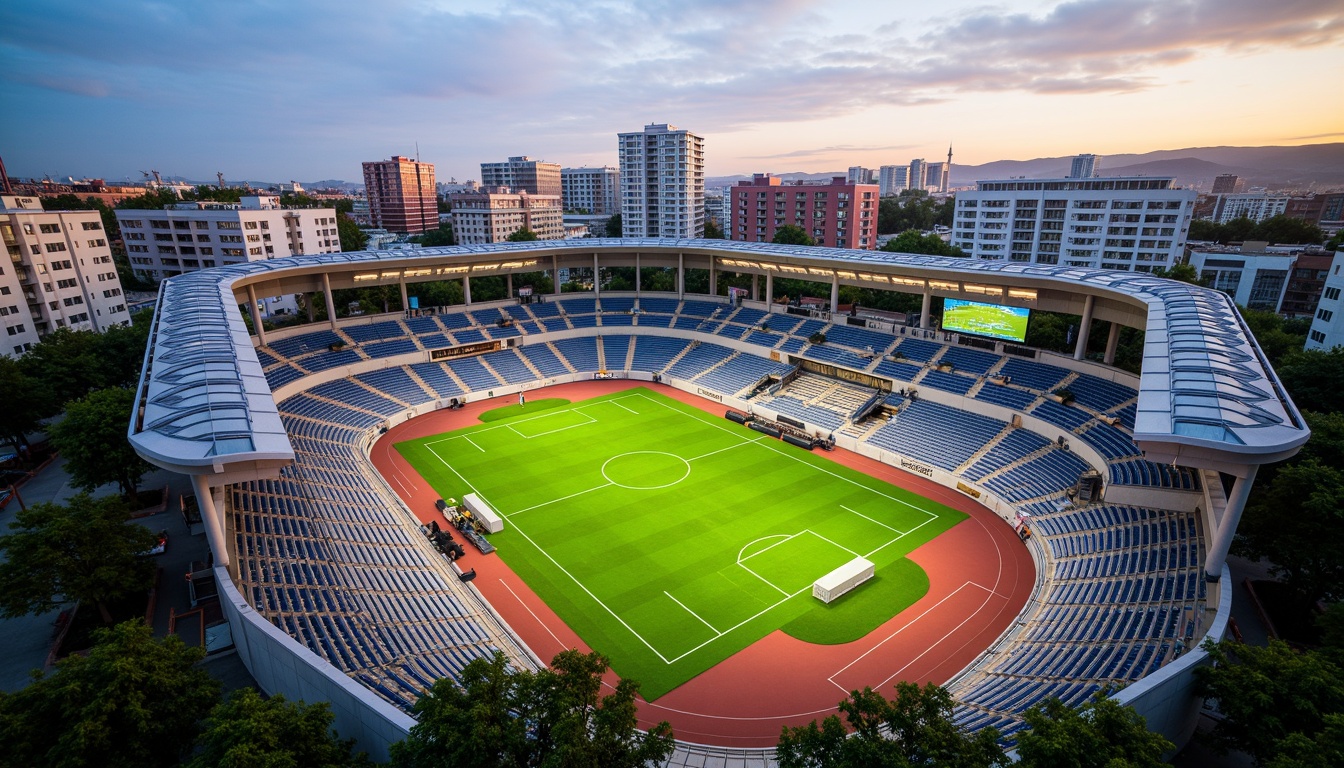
(645, 470)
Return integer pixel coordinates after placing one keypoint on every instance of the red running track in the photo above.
(980, 576)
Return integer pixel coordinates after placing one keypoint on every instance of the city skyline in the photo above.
(309, 91)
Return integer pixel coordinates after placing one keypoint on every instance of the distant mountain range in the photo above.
(1311, 167)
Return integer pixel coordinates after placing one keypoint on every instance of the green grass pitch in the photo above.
(669, 539)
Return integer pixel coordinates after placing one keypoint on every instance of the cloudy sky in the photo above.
(294, 89)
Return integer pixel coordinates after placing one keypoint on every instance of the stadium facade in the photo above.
(332, 594)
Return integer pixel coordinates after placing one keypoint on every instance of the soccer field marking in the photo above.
(989, 594)
(833, 544)
(785, 454)
(898, 538)
(645, 487)
(590, 420)
(871, 520)
(784, 536)
(717, 633)
(729, 448)
(618, 405)
(768, 582)
(473, 443)
(510, 515)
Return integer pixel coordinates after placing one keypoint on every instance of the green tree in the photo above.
(1312, 377)
(441, 236)
(92, 438)
(68, 364)
(1184, 273)
(919, 731)
(911, 241)
(1102, 734)
(151, 200)
(1295, 520)
(133, 702)
(614, 226)
(24, 402)
(1274, 335)
(246, 730)
(352, 239)
(1267, 694)
(344, 205)
(523, 235)
(712, 231)
(121, 351)
(83, 551)
(1283, 229)
(497, 716)
(1050, 330)
(792, 234)
(1206, 230)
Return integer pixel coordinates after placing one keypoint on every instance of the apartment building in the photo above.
(1085, 166)
(593, 190)
(59, 274)
(185, 237)
(1327, 325)
(490, 217)
(893, 179)
(1134, 224)
(1256, 206)
(838, 214)
(523, 174)
(401, 195)
(662, 182)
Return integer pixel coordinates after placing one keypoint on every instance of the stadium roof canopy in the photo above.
(1207, 395)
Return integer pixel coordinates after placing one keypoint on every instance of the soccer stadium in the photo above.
(749, 507)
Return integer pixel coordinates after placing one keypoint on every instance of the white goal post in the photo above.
(842, 579)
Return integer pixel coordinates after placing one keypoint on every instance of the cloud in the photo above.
(831, 150)
(1315, 136)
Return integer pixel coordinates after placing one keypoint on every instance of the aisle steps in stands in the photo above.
(528, 363)
(462, 385)
(482, 359)
(677, 358)
(602, 355)
(989, 446)
(629, 364)
(561, 358)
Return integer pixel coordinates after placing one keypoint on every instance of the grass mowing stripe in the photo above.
(669, 541)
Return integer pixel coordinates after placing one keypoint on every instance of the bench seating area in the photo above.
(937, 434)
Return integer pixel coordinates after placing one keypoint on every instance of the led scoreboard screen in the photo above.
(993, 320)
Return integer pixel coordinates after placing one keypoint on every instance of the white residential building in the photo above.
(1134, 224)
(186, 237)
(1327, 327)
(918, 170)
(859, 175)
(893, 179)
(59, 274)
(1085, 166)
(1256, 206)
(591, 189)
(1255, 279)
(662, 182)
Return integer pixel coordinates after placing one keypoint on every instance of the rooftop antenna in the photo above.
(417, 151)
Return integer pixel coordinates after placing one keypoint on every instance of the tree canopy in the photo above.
(132, 702)
(85, 550)
(1312, 377)
(614, 226)
(911, 241)
(1275, 701)
(912, 209)
(441, 236)
(712, 231)
(352, 239)
(246, 730)
(92, 438)
(523, 235)
(792, 234)
(24, 402)
(1279, 229)
(1100, 734)
(919, 732)
(498, 716)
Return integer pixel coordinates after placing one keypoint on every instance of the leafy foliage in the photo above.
(1276, 229)
(614, 226)
(1312, 377)
(1269, 694)
(911, 241)
(132, 702)
(712, 231)
(92, 438)
(792, 234)
(1184, 273)
(246, 730)
(441, 236)
(83, 551)
(523, 235)
(919, 727)
(912, 209)
(24, 402)
(1102, 734)
(1295, 520)
(352, 239)
(555, 717)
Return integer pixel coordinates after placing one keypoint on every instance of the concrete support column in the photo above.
(755, 285)
(597, 276)
(1222, 538)
(835, 292)
(331, 303)
(405, 302)
(508, 284)
(924, 308)
(214, 523)
(769, 289)
(311, 298)
(1112, 341)
(638, 279)
(555, 275)
(681, 275)
(256, 314)
(466, 290)
(713, 278)
(1084, 329)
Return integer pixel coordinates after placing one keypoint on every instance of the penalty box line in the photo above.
(548, 414)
